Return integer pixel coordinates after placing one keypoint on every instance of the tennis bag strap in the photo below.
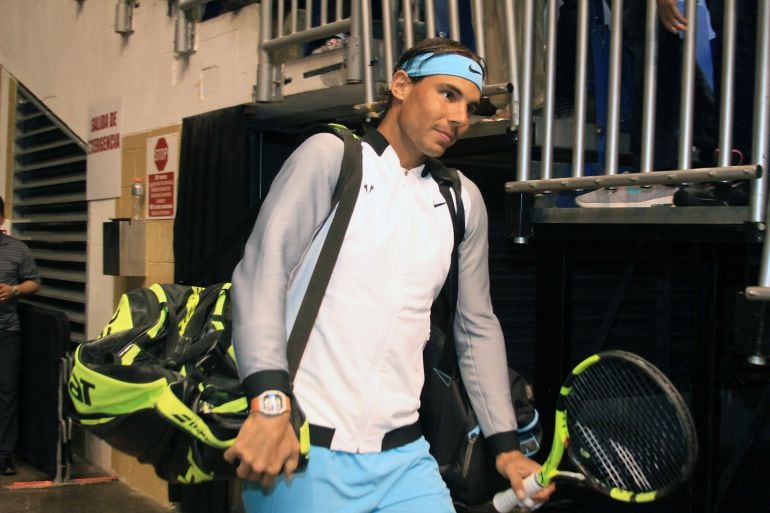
(449, 184)
(345, 196)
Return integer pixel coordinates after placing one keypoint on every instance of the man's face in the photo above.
(436, 111)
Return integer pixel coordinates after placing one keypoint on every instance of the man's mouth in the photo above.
(446, 137)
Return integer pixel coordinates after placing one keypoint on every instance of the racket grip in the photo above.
(506, 500)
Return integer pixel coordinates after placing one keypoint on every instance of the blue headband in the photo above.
(446, 64)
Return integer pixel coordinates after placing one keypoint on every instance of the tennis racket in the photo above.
(624, 427)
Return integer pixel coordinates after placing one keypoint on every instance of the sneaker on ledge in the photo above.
(628, 197)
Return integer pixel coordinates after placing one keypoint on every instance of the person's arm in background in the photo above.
(28, 276)
(25, 288)
(670, 16)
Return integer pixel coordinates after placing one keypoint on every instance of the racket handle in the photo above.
(505, 501)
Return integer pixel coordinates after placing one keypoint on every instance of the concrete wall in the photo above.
(67, 54)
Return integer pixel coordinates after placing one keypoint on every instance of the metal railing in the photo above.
(758, 208)
(404, 22)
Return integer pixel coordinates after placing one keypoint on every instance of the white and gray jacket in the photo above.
(362, 370)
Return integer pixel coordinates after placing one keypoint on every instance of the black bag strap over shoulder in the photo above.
(344, 197)
(449, 184)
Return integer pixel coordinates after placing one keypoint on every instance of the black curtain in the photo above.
(216, 196)
(228, 160)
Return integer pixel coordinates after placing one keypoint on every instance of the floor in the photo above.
(92, 491)
(89, 491)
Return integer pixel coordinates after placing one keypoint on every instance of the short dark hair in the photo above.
(2, 207)
(436, 46)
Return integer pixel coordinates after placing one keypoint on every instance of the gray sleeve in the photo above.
(28, 268)
(479, 338)
(297, 204)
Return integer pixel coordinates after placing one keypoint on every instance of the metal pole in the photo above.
(264, 67)
(281, 5)
(688, 86)
(650, 87)
(319, 32)
(513, 61)
(761, 131)
(550, 90)
(454, 20)
(408, 24)
(430, 19)
(478, 27)
(387, 37)
(581, 73)
(353, 52)
(525, 128)
(324, 11)
(728, 85)
(613, 99)
(293, 15)
(668, 177)
(366, 48)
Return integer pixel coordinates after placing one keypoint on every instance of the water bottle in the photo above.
(137, 199)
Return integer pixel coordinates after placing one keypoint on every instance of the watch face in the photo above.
(272, 403)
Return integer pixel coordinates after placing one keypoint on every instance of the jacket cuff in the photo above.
(503, 442)
(255, 384)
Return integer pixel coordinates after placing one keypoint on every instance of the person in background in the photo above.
(361, 375)
(18, 277)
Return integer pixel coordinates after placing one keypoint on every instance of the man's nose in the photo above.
(458, 114)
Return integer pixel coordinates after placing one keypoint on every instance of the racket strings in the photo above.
(625, 427)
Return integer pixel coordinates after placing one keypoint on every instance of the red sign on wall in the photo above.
(162, 166)
(161, 154)
(160, 195)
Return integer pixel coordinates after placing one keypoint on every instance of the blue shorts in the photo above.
(401, 480)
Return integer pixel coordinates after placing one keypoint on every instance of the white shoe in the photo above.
(627, 197)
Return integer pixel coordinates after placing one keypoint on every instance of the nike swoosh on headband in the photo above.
(454, 64)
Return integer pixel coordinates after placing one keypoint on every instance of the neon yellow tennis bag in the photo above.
(161, 382)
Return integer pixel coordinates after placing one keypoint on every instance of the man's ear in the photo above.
(400, 84)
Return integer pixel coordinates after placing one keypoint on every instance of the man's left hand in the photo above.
(515, 467)
(6, 292)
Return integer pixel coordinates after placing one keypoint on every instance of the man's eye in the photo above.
(472, 108)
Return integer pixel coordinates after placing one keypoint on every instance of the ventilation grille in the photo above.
(49, 207)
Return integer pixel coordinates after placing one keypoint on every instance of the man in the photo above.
(18, 277)
(361, 374)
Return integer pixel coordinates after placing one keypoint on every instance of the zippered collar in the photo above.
(379, 144)
(376, 140)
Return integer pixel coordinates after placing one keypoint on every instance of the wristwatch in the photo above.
(15, 291)
(272, 403)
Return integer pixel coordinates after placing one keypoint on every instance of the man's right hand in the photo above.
(265, 447)
(670, 16)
